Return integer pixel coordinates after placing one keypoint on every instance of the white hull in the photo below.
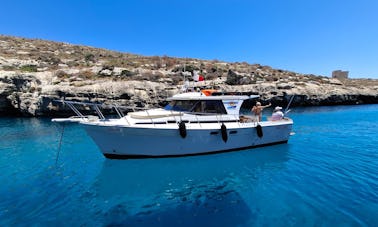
(122, 141)
(192, 123)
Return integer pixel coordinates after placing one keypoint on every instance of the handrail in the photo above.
(120, 113)
(152, 121)
(174, 117)
(198, 121)
(98, 111)
(74, 109)
(94, 105)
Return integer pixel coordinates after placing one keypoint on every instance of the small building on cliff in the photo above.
(339, 74)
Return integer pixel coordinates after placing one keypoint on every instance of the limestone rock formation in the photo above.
(34, 73)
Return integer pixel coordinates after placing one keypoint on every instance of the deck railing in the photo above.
(220, 118)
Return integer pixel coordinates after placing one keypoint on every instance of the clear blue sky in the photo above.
(305, 36)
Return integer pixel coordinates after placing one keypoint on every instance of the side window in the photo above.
(181, 105)
(213, 106)
(208, 106)
(198, 107)
(246, 106)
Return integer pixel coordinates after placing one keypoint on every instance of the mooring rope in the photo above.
(60, 145)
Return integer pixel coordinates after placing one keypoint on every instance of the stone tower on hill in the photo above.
(339, 74)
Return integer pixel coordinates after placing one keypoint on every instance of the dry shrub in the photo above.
(87, 74)
(61, 74)
(169, 62)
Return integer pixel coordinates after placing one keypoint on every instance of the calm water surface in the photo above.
(327, 175)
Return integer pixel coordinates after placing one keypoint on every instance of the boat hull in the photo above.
(122, 142)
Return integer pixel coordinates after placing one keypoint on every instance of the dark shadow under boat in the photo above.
(166, 192)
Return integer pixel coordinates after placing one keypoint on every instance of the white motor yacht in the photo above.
(193, 123)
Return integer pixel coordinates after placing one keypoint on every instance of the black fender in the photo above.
(224, 133)
(259, 131)
(182, 129)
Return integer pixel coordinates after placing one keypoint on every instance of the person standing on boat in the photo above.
(257, 110)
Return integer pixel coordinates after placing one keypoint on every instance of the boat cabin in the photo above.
(198, 103)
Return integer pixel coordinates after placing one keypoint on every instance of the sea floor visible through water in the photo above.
(326, 175)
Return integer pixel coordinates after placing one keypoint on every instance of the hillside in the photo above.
(34, 72)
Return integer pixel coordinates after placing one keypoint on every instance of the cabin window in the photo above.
(246, 106)
(197, 106)
(180, 105)
(209, 106)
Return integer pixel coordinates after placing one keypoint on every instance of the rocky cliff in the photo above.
(33, 73)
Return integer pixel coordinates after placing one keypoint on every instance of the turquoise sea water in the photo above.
(327, 175)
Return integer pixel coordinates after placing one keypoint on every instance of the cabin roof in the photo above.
(201, 96)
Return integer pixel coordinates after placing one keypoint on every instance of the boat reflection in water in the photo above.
(166, 192)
